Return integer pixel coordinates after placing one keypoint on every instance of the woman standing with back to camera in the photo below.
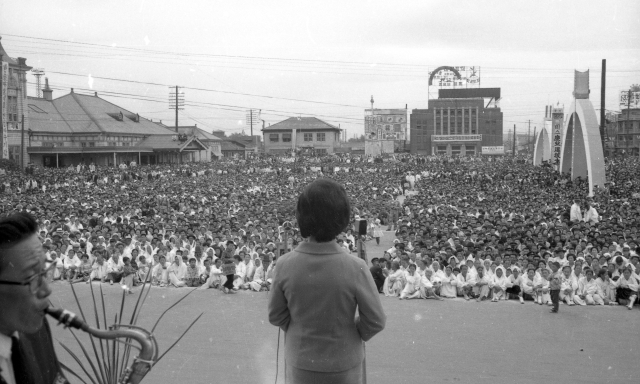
(317, 290)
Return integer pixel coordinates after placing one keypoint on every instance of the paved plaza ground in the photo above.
(425, 341)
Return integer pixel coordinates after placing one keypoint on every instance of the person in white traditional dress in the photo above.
(567, 290)
(411, 289)
(575, 214)
(466, 281)
(428, 285)
(263, 276)
(541, 287)
(99, 269)
(481, 287)
(216, 277)
(377, 230)
(160, 272)
(498, 284)
(394, 283)
(589, 291)
(449, 283)
(177, 272)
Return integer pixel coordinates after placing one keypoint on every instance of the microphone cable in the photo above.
(277, 355)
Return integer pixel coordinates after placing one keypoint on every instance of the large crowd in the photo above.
(494, 228)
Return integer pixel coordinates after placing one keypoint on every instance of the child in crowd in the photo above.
(128, 273)
(554, 285)
(192, 276)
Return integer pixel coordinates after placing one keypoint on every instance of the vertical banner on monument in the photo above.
(3, 97)
(557, 139)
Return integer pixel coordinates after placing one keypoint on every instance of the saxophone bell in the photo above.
(141, 364)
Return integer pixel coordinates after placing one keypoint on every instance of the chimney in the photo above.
(47, 92)
(95, 94)
(71, 90)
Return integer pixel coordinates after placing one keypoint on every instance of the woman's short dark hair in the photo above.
(323, 210)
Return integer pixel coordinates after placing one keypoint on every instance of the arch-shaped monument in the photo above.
(543, 148)
(582, 153)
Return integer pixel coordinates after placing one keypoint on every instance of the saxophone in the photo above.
(148, 346)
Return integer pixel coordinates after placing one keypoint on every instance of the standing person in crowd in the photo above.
(555, 286)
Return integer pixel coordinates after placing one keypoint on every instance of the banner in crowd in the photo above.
(496, 150)
(444, 138)
(3, 97)
(624, 100)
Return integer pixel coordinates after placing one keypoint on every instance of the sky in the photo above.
(323, 59)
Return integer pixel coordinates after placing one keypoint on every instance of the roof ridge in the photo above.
(86, 112)
(61, 116)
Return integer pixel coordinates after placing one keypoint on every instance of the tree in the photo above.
(635, 87)
(356, 139)
(237, 136)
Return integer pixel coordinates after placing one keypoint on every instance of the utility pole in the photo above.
(628, 108)
(22, 145)
(533, 145)
(176, 101)
(514, 141)
(603, 82)
(529, 138)
(176, 108)
(1, 114)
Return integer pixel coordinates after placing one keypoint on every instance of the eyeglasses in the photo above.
(34, 282)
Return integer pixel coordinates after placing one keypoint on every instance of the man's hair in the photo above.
(323, 210)
(15, 228)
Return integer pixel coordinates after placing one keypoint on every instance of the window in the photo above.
(274, 137)
(92, 143)
(320, 137)
(308, 137)
(83, 144)
(286, 137)
(111, 143)
(321, 151)
(14, 153)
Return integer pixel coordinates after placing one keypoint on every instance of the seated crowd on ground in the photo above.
(473, 228)
(497, 230)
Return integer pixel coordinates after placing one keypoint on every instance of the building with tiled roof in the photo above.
(211, 140)
(85, 128)
(80, 128)
(301, 134)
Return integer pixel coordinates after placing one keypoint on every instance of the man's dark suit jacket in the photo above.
(41, 365)
(378, 276)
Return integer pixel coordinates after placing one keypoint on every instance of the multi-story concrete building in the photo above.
(460, 122)
(13, 95)
(385, 130)
(627, 135)
(301, 134)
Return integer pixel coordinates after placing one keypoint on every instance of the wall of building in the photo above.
(16, 108)
(303, 139)
(627, 138)
(456, 124)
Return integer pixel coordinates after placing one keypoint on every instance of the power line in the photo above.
(209, 90)
(265, 58)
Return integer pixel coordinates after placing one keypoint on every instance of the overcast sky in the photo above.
(330, 56)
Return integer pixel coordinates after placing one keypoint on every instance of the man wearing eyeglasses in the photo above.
(26, 351)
